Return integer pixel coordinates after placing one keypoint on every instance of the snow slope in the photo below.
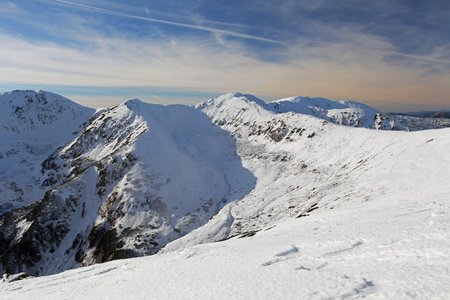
(302, 163)
(389, 248)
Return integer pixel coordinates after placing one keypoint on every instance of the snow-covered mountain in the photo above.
(137, 177)
(342, 112)
(350, 113)
(302, 163)
(140, 178)
(32, 125)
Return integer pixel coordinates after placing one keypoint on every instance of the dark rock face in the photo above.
(43, 238)
(32, 236)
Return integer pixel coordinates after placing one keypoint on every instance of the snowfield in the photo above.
(388, 248)
(241, 200)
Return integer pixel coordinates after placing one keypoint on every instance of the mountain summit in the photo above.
(32, 125)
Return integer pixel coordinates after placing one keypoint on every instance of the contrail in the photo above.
(203, 28)
(420, 57)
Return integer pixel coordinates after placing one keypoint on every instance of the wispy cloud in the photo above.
(341, 71)
(328, 59)
(191, 26)
(7, 7)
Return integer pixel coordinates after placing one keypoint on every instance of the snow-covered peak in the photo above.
(234, 99)
(40, 114)
(307, 105)
(344, 112)
(234, 106)
(33, 124)
(133, 104)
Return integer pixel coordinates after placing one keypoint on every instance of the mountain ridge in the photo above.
(141, 178)
(341, 112)
(139, 175)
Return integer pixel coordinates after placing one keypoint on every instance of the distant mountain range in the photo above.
(81, 186)
(439, 114)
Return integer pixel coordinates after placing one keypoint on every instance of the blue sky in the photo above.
(392, 55)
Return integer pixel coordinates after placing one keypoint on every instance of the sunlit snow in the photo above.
(303, 208)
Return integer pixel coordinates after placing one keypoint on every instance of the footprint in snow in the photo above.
(288, 252)
(282, 256)
(359, 243)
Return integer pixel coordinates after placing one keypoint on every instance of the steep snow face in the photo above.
(32, 125)
(136, 178)
(186, 170)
